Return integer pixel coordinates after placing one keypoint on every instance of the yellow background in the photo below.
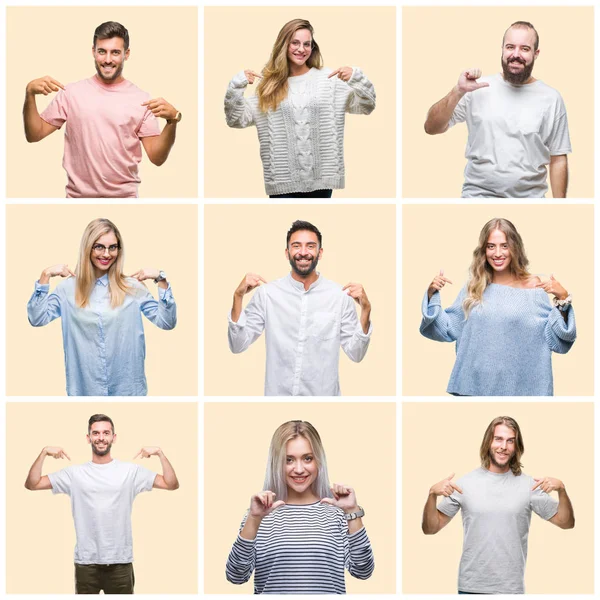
(440, 439)
(558, 240)
(57, 41)
(157, 236)
(438, 43)
(359, 245)
(238, 38)
(359, 440)
(40, 536)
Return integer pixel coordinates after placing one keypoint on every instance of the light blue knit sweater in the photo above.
(505, 346)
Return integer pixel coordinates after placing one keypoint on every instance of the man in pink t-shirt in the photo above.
(107, 117)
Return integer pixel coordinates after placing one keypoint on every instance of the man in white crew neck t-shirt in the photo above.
(108, 119)
(517, 125)
(102, 492)
(496, 500)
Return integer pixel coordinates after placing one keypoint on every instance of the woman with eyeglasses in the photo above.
(299, 534)
(299, 111)
(101, 308)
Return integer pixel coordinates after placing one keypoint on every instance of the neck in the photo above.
(101, 460)
(296, 70)
(99, 273)
(504, 278)
(306, 497)
(496, 469)
(119, 79)
(308, 280)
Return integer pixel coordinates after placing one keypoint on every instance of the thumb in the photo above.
(552, 277)
(482, 84)
(451, 476)
(442, 272)
(277, 504)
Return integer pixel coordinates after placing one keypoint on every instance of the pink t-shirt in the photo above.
(102, 137)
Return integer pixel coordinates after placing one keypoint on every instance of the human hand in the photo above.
(445, 487)
(548, 484)
(56, 452)
(148, 451)
(44, 85)
(250, 281)
(144, 274)
(357, 291)
(161, 108)
(344, 497)
(251, 76)
(264, 503)
(439, 281)
(553, 287)
(467, 82)
(54, 271)
(343, 73)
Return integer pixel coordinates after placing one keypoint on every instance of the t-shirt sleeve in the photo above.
(143, 479)
(56, 112)
(61, 481)
(450, 505)
(559, 141)
(543, 504)
(460, 112)
(149, 126)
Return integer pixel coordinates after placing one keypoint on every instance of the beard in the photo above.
(115, 75)
(497, 464)
(304, 271)
(101, 452)
(516, 78)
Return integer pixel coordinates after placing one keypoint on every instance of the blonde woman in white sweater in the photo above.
(299, 113)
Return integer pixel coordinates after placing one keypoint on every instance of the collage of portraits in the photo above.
(316, 276)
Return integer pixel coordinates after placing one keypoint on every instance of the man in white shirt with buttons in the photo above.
(102, 493)
(306, 318)
(518, 129)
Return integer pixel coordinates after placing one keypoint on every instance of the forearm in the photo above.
(32, 121)
(440, 113)
(168, 472)
(236, 308)
(431, 519)
(250, 528)
(35, 473)
(565, 515)
(559, 175)
(162, 144)
(365, 319)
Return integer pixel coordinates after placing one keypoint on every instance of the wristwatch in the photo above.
(176, 119)
(355, 515)
(161, 276)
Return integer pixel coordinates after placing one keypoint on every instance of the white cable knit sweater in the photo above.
(302, 142)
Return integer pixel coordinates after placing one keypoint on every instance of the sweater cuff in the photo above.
(430, 307)
(239, 81)
(42, 287)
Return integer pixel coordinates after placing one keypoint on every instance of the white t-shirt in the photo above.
(513, 132)
(101, 501)
(496, 511)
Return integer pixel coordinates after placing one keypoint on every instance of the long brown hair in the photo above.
(481, 272)
(484, 451)
(273, 87)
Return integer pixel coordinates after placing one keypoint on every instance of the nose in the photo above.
(298, 468)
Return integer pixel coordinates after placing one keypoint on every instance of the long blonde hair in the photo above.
(273, 87)
(86, 278)
(275, 474)
(480, 271)
(484, 451)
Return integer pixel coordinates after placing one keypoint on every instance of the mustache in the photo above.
(516, 59)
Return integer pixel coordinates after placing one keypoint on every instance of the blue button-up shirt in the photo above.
(104, 346)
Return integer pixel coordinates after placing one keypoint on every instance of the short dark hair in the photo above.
(527, 25)
(109, 30)
(303, 226)
(97, 418)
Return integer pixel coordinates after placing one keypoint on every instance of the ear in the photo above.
(114, 439)
(536, 54)
(93, 50)
(87, 437)
(127, 53)
(287, 254)
(320, 253)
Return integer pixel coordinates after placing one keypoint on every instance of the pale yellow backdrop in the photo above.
(157, 236)
(57, 41)
(558, 240)
(438, 43)
(440, 439)
(40, 535)
(238, 38)
(359, 245)
(360, 443)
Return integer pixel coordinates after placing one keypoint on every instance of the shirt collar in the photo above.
(300, 286)
(102, 280)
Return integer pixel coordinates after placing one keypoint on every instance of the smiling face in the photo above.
(104, 253)
(303, 252)
(110, 56)
(518, 54)
(502, 449)
(497, 252)
(300, 468)
(300, 47)
(101, 438)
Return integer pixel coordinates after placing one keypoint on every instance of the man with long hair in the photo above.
(107, 117)
(306, 318)
(102, 493)
(496, 500)
(517, 124)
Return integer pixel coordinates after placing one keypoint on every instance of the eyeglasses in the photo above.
(295, 44)
(101, 249)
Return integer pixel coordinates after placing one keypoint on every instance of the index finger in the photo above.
(445, 279)
(137, 455)
(55, 82)
(255, 74)
(334, 73)
(456, 487)
(539, 482)
(262, 279)
(66, 455)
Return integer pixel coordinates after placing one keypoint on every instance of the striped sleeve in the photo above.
(359, 554)
(242, 559)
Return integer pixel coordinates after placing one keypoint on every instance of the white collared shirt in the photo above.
(304, 331)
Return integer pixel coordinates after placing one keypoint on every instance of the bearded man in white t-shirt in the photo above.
(102, 492)
(496, 501)
(518, 129)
